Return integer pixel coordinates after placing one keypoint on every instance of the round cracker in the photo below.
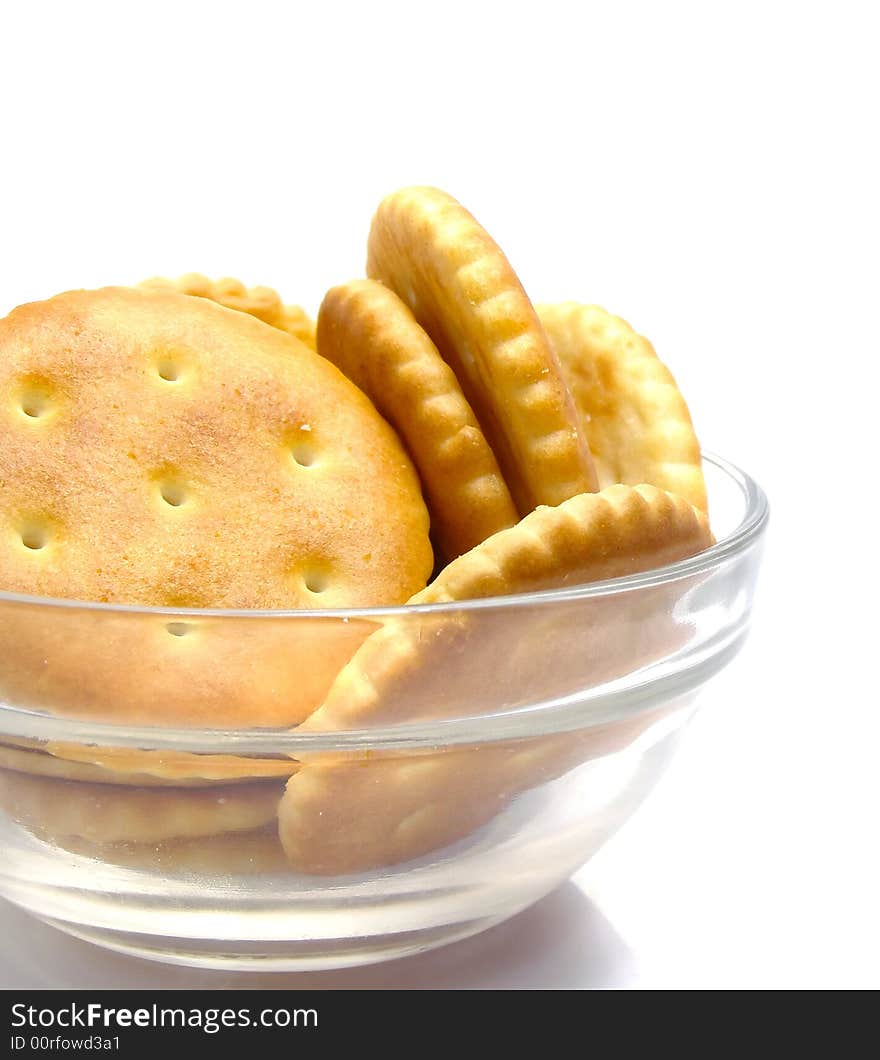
(637, 423)
(160, 449)
(371, 336)
(354, 816)
(426, 247)
(261, 302)
(109, 813)
(440, 665)
(339, 814)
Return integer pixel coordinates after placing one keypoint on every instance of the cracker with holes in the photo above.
(160, 449)
(637, 423)
(449, 665)
(264, 303)
(428, 249)
(368, 332)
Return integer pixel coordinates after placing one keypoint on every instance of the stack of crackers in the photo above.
(432, 438)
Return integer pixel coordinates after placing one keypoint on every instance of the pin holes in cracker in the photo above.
(172, 492)
(168, 370)
(179, 629)
(303, 454)
(36, 398)
(316, 581)
(35, 405)
(170, 366)
(302, 446)
(36, 533)
(314, 574)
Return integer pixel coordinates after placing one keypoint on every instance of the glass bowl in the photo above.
(138, 811)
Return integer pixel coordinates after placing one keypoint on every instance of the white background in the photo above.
(707, 171)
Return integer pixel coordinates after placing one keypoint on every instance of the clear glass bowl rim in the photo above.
(605, 706)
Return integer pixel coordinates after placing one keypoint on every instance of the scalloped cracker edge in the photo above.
(344, 815)
(637, 422)
(426, 247)
(373, 338)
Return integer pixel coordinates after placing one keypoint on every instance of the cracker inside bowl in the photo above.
(163, 450)
(238, 727)
(539, 723)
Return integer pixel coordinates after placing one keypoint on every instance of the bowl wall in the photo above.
(477, 756)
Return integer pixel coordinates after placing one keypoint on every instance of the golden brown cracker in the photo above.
(432, 665)
(162, 450)
(351, 816)
(261, 302)
(170, 767)
(368, 333)
(135, 768)
(189, 456)
(113, 813)
(253, 853)
(186, 670)
(354, 815)
(457, 664)
(453, 276)
(637, 423)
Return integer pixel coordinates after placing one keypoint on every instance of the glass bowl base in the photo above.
(291, 956)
